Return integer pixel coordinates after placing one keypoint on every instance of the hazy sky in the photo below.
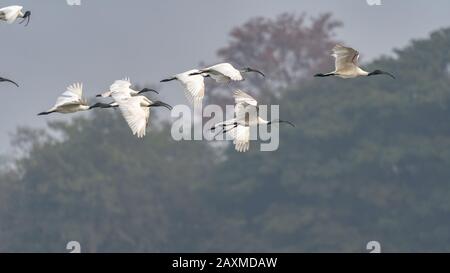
(104, 40)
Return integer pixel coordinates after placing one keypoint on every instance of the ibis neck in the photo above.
(133, 92)
(263, 121)
(362, 72)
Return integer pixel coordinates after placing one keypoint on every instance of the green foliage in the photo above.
(368, 160)
(95, 183)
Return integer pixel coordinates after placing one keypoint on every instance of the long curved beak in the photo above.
(10, 81)
(287, 122)
(27, 17)
(148, 90)
(282, 121)
(161, 104)
(389, 74)
(97, 105)
(380, 72)
(257, 71)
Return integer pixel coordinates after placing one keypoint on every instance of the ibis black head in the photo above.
(101, 105)
(380, 72)
(7, 80)
(148, 90)
(45, 113)
(161, 104)
(321, 75)
(27, 17)
(203, 73)
(169, 79)
(249, 69)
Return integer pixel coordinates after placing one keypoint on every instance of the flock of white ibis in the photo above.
(135, 107)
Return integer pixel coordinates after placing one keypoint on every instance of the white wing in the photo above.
(242, 97)
(119, 85)
(106, 94)
(241, 136)
(135, 114)
(226, 70)
(120, 90)
(76, 88)
(72, 96)
(346, 57)
(246, 110)
(194, 86)
(10, 14)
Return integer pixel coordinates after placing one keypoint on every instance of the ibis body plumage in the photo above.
(70, 101)
(346, 64)
(225, 72)
(246, 116)
(11, 13)
(134, 108)
(124, 86)
(194, 85)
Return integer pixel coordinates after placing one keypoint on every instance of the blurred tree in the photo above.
(369, 159)
(95, 183)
